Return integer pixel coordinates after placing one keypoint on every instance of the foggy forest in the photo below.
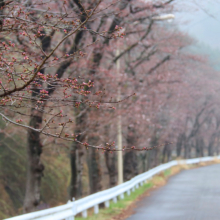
(84, 83)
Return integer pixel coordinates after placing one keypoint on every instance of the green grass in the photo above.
(116, 208)
(167, 172)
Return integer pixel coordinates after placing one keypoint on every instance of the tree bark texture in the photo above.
(34, 147)
(179, 144)
(76, 165)
(77, 154)
(34, 168)
(95, 171)
(152, 155)
(130, 164)
(110, 161)
(166, 154)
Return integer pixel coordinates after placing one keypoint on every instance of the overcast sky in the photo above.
(200, 19)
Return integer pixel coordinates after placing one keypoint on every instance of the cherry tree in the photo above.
(60, 80)
(40, 40)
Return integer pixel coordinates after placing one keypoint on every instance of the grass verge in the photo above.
(116, 208)
(123, 208)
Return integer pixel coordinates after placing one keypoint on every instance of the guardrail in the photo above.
(72, 208)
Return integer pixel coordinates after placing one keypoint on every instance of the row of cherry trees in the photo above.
(69, 71)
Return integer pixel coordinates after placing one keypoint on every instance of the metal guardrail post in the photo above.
(84, 214)
(129, 192)
(70, 218)
(107, 204)
(115, 199)
(72, 208)
(96, 209)
(122, 196)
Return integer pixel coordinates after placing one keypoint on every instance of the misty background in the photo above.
(201, 20)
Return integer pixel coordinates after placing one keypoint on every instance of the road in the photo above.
(190, 195)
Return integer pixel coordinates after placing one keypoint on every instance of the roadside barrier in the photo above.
(72, 208)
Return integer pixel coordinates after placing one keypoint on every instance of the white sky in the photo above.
(200, 19)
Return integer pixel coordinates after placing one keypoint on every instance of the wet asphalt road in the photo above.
(190, 195)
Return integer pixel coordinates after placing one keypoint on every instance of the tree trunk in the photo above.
(76, 165)
(197, 147)
(179, 145)
(77, 153)
(166, 153)
(35, 168)
(202, 145)
(130, 167)
(151, 155)
(211, 145)
(110, 160)
(186, 149)
(143, 157)
(151, 159)
(34, 147)
(210, 150)
(156, 156)
(95, 171)
(34, 150)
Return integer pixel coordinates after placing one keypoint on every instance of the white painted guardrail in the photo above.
(69, 210)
